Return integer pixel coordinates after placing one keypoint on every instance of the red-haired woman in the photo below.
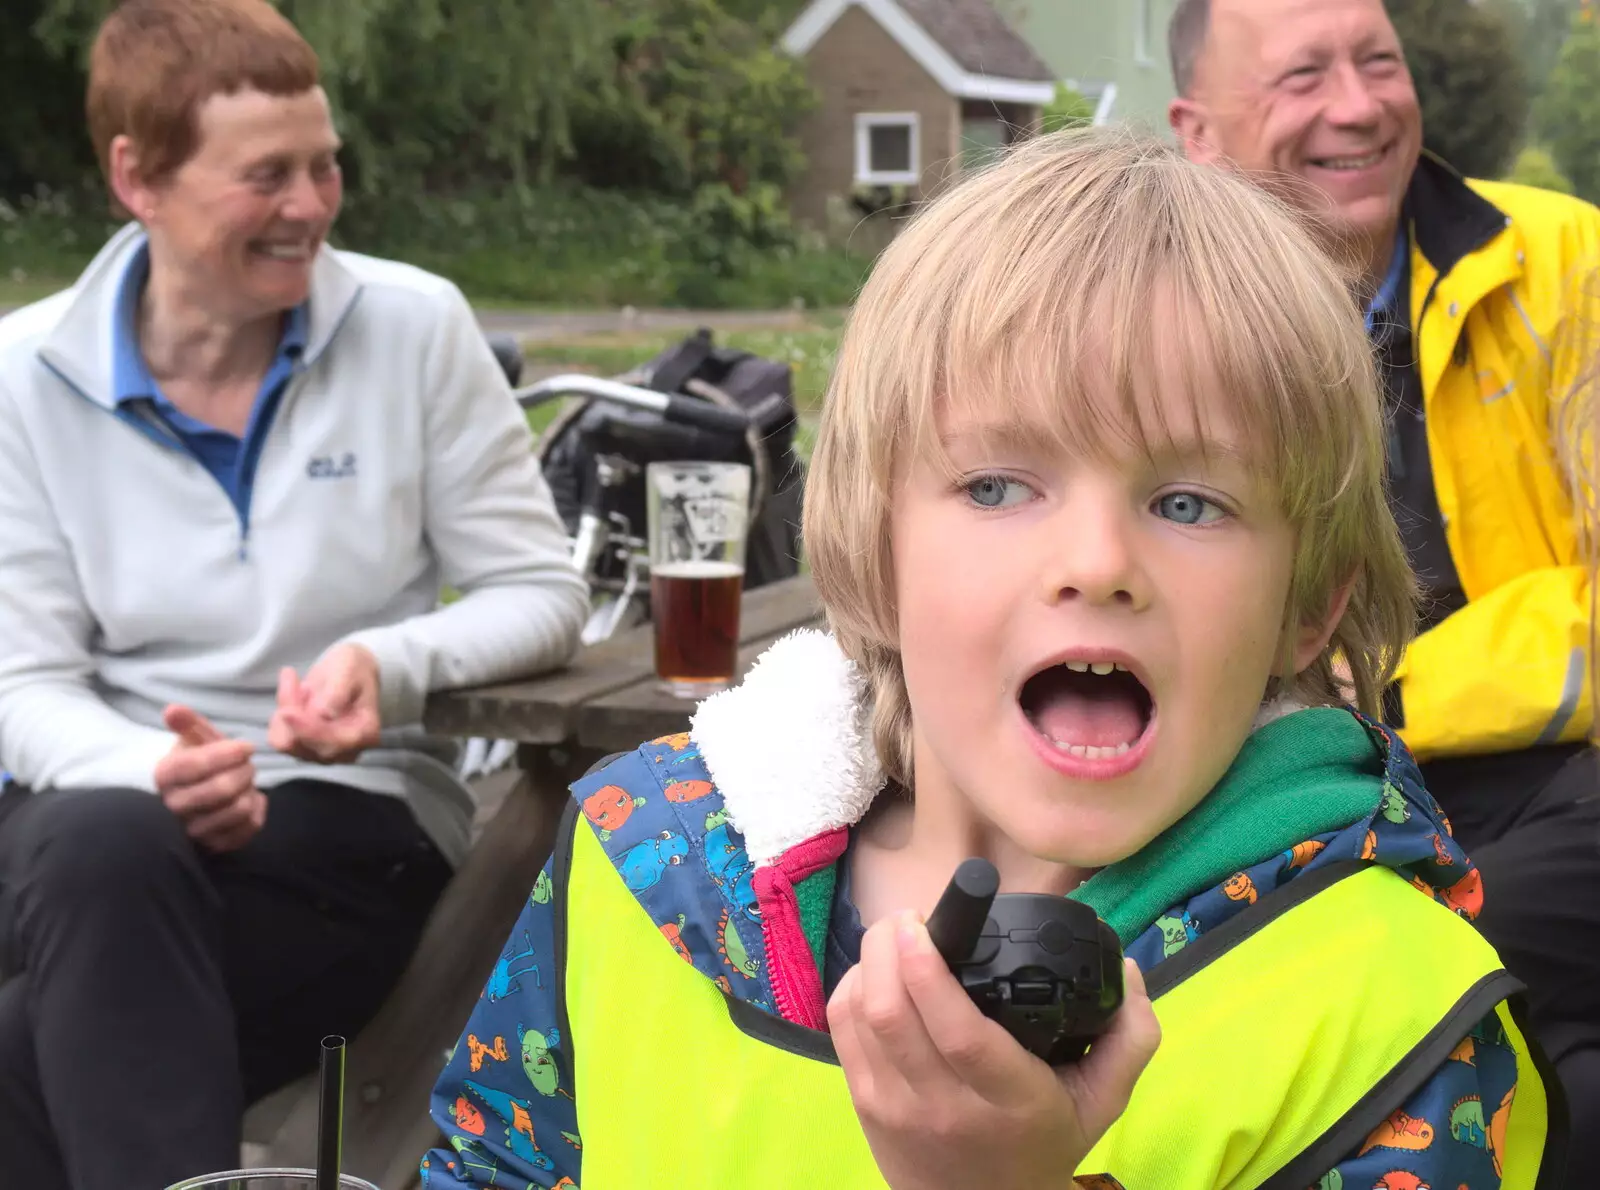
(236, 467)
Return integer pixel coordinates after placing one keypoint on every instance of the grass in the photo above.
(808, 349)
(21, 287)
(515, 276)
(542, 416)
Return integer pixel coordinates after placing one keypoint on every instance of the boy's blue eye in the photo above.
(1187, 508)
(996, 491)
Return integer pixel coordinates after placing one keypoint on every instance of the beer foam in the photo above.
(700, 570)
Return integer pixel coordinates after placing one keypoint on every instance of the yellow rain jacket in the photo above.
(1498, 309)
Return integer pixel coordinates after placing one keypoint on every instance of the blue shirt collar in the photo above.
(1388, 295)
(130, 375)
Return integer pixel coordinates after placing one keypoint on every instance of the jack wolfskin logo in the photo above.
(332, 467)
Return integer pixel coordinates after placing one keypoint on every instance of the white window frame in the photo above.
(865, 123)
(1144, 21)
(1108, 100)
(1102, 95)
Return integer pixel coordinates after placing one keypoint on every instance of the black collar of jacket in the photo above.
(1449, 220)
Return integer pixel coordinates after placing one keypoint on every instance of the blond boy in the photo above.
(1097, 496)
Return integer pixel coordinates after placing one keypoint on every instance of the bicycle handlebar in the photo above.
(672, 406)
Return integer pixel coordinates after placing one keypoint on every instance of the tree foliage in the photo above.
(1470, 78)
(441, 96)
(1067, 109)
(691, 96)
(1569, 110)
(1535, 167)
(41, 106)
(774, 14)
(1544, 28)
(431, 86)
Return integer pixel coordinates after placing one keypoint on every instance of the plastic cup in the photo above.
(267, 1179)
(330, 1137)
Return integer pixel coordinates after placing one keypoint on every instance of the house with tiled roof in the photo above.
(909, 93)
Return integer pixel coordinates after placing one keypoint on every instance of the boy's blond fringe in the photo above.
(999, 293)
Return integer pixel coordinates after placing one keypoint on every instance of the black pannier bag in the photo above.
(763, 388)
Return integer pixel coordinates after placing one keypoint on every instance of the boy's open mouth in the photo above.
(1096, 710)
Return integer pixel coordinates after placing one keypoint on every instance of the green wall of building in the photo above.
(1098, 42)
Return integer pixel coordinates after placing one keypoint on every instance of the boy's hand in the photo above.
(209, 782)
(947, 1097)
(331, 715)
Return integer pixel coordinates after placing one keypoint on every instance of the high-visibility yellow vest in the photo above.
(1288, 1033)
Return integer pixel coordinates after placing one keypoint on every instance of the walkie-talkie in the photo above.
(1047, 969)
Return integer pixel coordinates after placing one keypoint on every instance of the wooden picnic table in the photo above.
(606, 701)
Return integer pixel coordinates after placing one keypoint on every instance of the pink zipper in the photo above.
(796, 982)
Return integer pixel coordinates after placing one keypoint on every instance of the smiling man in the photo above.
(1469, 290)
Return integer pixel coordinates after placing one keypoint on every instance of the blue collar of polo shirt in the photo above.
(130, 375)
(1384, 300)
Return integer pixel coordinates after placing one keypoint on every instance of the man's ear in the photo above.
(1191, 124)
(1313, 635)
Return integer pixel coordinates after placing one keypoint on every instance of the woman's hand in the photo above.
(209, 782)
(331, 715)
(947, 1097)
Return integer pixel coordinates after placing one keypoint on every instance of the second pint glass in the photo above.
(698, 517)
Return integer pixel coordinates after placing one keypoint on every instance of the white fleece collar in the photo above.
(790, 748)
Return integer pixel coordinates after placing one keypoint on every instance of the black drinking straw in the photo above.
(330, 1113)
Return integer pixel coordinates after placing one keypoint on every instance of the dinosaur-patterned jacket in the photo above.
(728, 835)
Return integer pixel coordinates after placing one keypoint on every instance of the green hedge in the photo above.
(559, 246)
(1535, 166)
(575, 246)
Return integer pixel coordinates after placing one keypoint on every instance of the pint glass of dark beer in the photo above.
(698, 517)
